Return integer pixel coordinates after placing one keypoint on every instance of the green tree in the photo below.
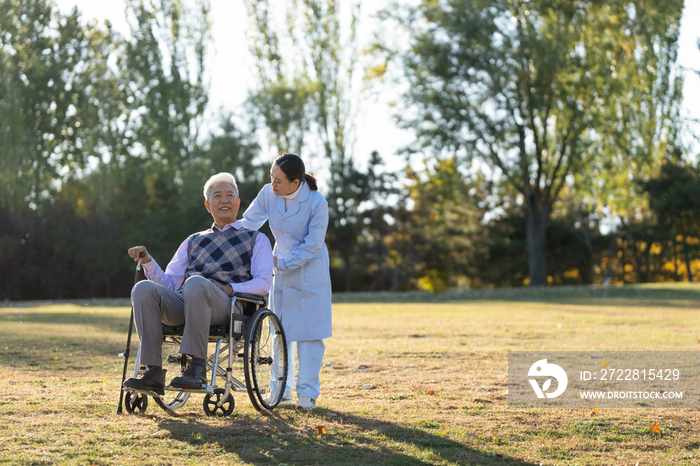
(674, 197)
(50, 66)
(54, 69)
(448, 207)
(523, 87)
(310, 87)
(101, 142)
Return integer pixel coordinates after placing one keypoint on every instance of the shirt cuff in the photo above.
(149, 268)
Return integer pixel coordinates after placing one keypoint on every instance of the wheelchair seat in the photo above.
(250, 302)
(176, 331)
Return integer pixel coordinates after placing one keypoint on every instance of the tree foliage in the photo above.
(523, 86)
(538, 122)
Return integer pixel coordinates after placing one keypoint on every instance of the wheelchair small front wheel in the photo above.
(211, 404)
(265, 360)
(135, 403)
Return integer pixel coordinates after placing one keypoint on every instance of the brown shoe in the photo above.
(153, 380)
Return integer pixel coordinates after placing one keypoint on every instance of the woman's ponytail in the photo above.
(311, 181)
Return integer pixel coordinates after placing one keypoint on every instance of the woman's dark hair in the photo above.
(293, 168)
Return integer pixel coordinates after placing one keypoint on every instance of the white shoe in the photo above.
(283, 402)
(306, 403)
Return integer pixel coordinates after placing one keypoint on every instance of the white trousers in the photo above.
(308, 382)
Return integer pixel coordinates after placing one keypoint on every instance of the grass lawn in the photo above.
(408, 379)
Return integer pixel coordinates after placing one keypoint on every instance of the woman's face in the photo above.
(281, 185)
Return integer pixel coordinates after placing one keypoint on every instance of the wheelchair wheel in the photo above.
(135, 403)
(175, 363)
(211, 407)
(265, 360)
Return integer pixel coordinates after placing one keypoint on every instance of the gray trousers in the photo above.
(198, 305)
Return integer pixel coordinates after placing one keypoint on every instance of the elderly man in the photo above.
(195, 289)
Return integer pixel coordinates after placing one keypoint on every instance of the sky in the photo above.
(230, 65)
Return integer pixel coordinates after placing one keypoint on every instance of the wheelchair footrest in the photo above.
(204, 389)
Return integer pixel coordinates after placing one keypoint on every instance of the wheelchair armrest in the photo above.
(250, 297)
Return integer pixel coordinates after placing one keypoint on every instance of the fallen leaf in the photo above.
(80, 435)
(604, 363)
(595, 412)
(507, 330)
(56, 358)
(431, 392)
(528, 326)
(10, 375)
(276, 449)
(655, 428)
(320, 430)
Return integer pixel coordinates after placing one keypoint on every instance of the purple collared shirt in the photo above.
(261, 266)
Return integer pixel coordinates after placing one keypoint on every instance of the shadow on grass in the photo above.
(59, 353)
(102, 302)
(680, 295)
(285, 437)
(32, 339)
(106, 322)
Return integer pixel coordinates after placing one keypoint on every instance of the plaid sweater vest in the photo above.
(224, 256)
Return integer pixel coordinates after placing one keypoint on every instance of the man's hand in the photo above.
(228, 289)
(139, 253)
(274, 260)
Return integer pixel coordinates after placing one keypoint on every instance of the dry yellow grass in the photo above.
(403, 383)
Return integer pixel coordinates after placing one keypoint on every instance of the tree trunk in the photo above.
(675, 262)
(687, 259)
(611, 256)
(587, 266)
(536, 229)
(685, 250)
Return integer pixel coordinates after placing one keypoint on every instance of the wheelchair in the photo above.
(254, 337)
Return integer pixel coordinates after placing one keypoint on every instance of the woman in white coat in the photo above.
(301, 288)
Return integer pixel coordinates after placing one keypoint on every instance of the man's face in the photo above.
(223, 203)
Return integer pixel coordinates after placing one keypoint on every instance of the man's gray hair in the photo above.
(222, 177)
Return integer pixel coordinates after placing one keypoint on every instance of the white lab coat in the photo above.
(301, 288)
